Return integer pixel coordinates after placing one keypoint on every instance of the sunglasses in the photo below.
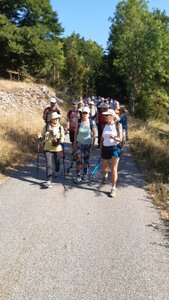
(84, 112)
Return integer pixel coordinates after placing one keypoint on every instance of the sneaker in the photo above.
(113, 193)
(105, 177)
(49, 183)
(84, 178)
(78, 179)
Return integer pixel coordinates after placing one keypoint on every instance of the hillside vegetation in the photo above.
(21, 108)
(149, 142)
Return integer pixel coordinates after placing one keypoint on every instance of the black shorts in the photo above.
(109, 151)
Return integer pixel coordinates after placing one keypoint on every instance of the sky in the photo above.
(90, 18)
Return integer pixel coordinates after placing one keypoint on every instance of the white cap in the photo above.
(53, 100)
(111, 112)
(86, 109)
(54, 115)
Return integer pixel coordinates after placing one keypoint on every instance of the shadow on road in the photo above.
(129, 175)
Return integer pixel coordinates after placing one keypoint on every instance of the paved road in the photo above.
(74, 242)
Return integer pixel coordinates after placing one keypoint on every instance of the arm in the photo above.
(62, 135)
(119, 136)
(93, 135)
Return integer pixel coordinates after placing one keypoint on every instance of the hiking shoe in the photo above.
(84, 178)
(105, 177)
(49, 183)
(113, 193)
(78, 179)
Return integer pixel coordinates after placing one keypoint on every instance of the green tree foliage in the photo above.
(29, 37)
(82, 61)
(139, 50)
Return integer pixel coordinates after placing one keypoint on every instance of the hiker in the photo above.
(84, 143)
(50, 109)
(111, 147)
(101, 120)
(53, 136)
(124, 122)
(114, 104)
(93, 112)
(73, 117)
(80, 107)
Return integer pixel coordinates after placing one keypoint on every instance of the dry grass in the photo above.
(14, 86)
(18, 141)
(18, 131)
(149, 142)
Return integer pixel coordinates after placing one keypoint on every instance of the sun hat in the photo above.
(86, 109)
(53, 100)
(54, 115)
(111, 112)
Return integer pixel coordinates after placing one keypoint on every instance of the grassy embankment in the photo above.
(149, 143)
(18, 131)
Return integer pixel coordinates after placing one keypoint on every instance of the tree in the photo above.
(82, 60)
(139, 43)
(32, 41)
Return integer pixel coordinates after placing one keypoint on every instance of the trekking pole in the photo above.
(71, 166)
(96, 167)
(38, 153)
(39, 150)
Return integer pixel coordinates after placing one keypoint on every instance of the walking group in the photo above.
(86, 119)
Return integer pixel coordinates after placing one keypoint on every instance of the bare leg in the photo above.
(115, 163)
(105, 166)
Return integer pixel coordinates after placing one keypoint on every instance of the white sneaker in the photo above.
(85, 178)
(113, 193)
(49, 183)
(78, 179)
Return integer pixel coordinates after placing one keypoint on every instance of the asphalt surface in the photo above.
(74, 242)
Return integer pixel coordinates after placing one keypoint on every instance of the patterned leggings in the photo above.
(82, 158)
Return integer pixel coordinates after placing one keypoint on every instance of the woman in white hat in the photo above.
(111, 147)
(53, 136)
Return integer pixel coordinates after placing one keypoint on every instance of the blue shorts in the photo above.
(109, 151)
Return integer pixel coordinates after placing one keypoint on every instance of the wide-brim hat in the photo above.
(54, 115)
(111, 112)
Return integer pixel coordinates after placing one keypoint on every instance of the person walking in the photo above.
(124, 122)
(84, 143)
(50, 109)
(101, 120)
(111, 147)
(53, 136)
(73, 117)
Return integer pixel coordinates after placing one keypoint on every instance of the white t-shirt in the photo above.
(109, 130)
